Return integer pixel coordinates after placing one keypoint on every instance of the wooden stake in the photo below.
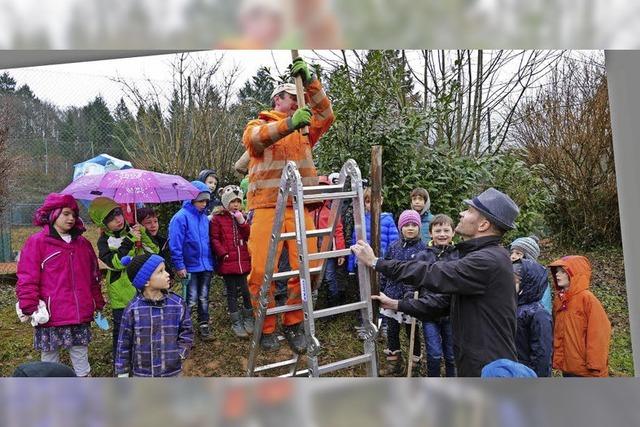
(376, 210)
(411, 341)
(299, 90)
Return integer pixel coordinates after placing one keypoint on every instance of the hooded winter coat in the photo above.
(214, 201)
(534, 333)
(582, 331)
(112, 247)
(483, 299)
(189, 238)
(229, 244)
(388, 235)
(63, 275)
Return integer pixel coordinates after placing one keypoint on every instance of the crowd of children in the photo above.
(59, 285)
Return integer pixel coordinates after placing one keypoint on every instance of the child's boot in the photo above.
(237, 326)
(395, 364)
(247, 320)
(205, 333)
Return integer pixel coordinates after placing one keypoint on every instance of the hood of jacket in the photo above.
(533, 282)
(202, 176)
(99, 208)
(579, 270)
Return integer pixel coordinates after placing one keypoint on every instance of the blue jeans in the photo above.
(198, 293)
(439, 342)
(331, 277)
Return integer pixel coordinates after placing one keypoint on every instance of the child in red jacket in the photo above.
(229, 232)
(59, 267)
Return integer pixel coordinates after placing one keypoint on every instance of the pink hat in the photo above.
(52, 207)
(409, 216)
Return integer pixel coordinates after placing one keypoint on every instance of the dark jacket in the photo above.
(401, 250)
(430, 306)
(230, 238)
(215, 201)
(534, 336)
(483, 302)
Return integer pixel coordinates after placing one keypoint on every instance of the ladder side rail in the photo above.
(364, 272)
(299, 211)
(263, 301)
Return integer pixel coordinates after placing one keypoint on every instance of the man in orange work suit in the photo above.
(272, 140)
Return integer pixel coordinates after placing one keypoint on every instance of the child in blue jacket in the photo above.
(191, 253)
(388, 234)
(534, 332)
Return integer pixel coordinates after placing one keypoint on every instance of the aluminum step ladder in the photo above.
(291, 185)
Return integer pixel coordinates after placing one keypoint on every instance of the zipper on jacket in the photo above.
(48, 258)
(73, 286)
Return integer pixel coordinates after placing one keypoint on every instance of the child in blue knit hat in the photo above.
(156, 332)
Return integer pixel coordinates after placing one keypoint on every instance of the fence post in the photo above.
(5, 236)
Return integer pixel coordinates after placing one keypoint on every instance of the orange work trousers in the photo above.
(258, 244)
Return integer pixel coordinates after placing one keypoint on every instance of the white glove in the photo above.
(38, 317)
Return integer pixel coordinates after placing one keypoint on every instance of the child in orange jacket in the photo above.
(581, 331)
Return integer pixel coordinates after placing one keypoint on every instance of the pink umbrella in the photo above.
(133, 186)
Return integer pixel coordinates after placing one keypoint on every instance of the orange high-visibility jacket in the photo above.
(581, 330)
(272, 142)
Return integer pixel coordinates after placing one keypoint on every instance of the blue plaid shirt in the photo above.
(155, 336)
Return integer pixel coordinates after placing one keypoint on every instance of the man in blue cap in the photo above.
(478, 290)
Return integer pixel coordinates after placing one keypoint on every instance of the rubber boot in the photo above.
(395, 366)
(237, 326)
(247, 320)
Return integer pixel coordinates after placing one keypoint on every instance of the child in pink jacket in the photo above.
(58, 266)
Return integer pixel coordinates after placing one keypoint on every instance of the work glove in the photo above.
(300, 68)
(301, 118)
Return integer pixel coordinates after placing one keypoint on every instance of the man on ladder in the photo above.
(272, 140)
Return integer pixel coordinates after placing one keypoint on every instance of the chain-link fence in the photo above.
(47, 138)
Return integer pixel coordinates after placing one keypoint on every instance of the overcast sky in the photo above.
(77, 84)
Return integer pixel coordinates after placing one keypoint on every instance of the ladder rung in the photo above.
(329, 254)
(312, 198)
(339, 309)
(310, 233)
(283, 309)
(335, 366)
(293, 273)
(276, 365)
(314, 189)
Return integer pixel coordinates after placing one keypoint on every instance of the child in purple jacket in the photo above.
(59, 267)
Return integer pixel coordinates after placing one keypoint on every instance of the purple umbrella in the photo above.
(133, 186)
